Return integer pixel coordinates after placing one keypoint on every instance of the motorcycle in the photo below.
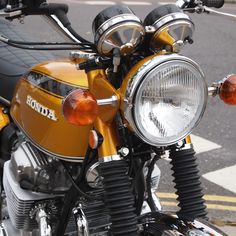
(80, 138)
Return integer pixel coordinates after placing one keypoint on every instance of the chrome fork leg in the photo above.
(82, 224)
(44, 227)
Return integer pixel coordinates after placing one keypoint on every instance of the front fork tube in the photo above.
(107, 149)
(118, 199)
(187, 181)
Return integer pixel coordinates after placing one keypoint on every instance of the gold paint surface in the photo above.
(64, 71)
(188, 140)
(162, 38)
(101, 88)
(4, 119)
(110, 141)
(57, 137)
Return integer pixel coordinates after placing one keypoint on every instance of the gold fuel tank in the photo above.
(36, 109)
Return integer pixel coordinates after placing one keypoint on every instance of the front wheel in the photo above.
(159, 224)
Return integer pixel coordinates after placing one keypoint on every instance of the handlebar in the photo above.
(213, 3)
(58, 9)
(47, 9)
(55, 12)
(190, 4)
(35, 7)
(3, 4)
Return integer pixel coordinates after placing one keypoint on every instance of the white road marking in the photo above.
(203, 145)
(225, 177)
(95, 3)
(106, 3)
(109, 3)
(137, 3)
(200, 145)
(164, 3)
(99, 3)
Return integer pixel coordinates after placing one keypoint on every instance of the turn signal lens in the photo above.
(228, 90)
(80, 108)
(93, 139)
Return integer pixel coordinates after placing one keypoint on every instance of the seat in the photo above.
(14, 62)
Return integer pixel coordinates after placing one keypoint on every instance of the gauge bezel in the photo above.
(170, 18)
(104, 32)
(170, 27)
(115, 20)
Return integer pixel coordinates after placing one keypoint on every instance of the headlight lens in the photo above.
(168, 98)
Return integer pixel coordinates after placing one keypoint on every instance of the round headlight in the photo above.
(165, 99)
(117, 27)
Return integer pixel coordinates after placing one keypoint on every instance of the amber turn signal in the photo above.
(228, 90)
(95, 139)
(80, 108)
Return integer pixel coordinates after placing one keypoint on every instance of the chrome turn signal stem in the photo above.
(108, 101)
(214, 89)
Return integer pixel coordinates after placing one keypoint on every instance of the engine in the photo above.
(27, 179)
(34, 181)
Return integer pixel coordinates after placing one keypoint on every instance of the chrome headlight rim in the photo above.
(135, 84)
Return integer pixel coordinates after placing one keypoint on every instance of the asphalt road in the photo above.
(214, 49)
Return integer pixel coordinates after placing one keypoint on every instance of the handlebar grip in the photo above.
(58, 9)
(47, 9)
(3, 4)
(55, 7)
(213, 3)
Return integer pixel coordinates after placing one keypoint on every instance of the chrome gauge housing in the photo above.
(170, 27)
(165, 99)
(117, 27)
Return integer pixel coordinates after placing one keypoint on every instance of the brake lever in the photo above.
(187, 5)
(203, 9)
(218, 13)
(198, 9)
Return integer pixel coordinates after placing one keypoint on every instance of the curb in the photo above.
(229, 230)
(230, 1)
